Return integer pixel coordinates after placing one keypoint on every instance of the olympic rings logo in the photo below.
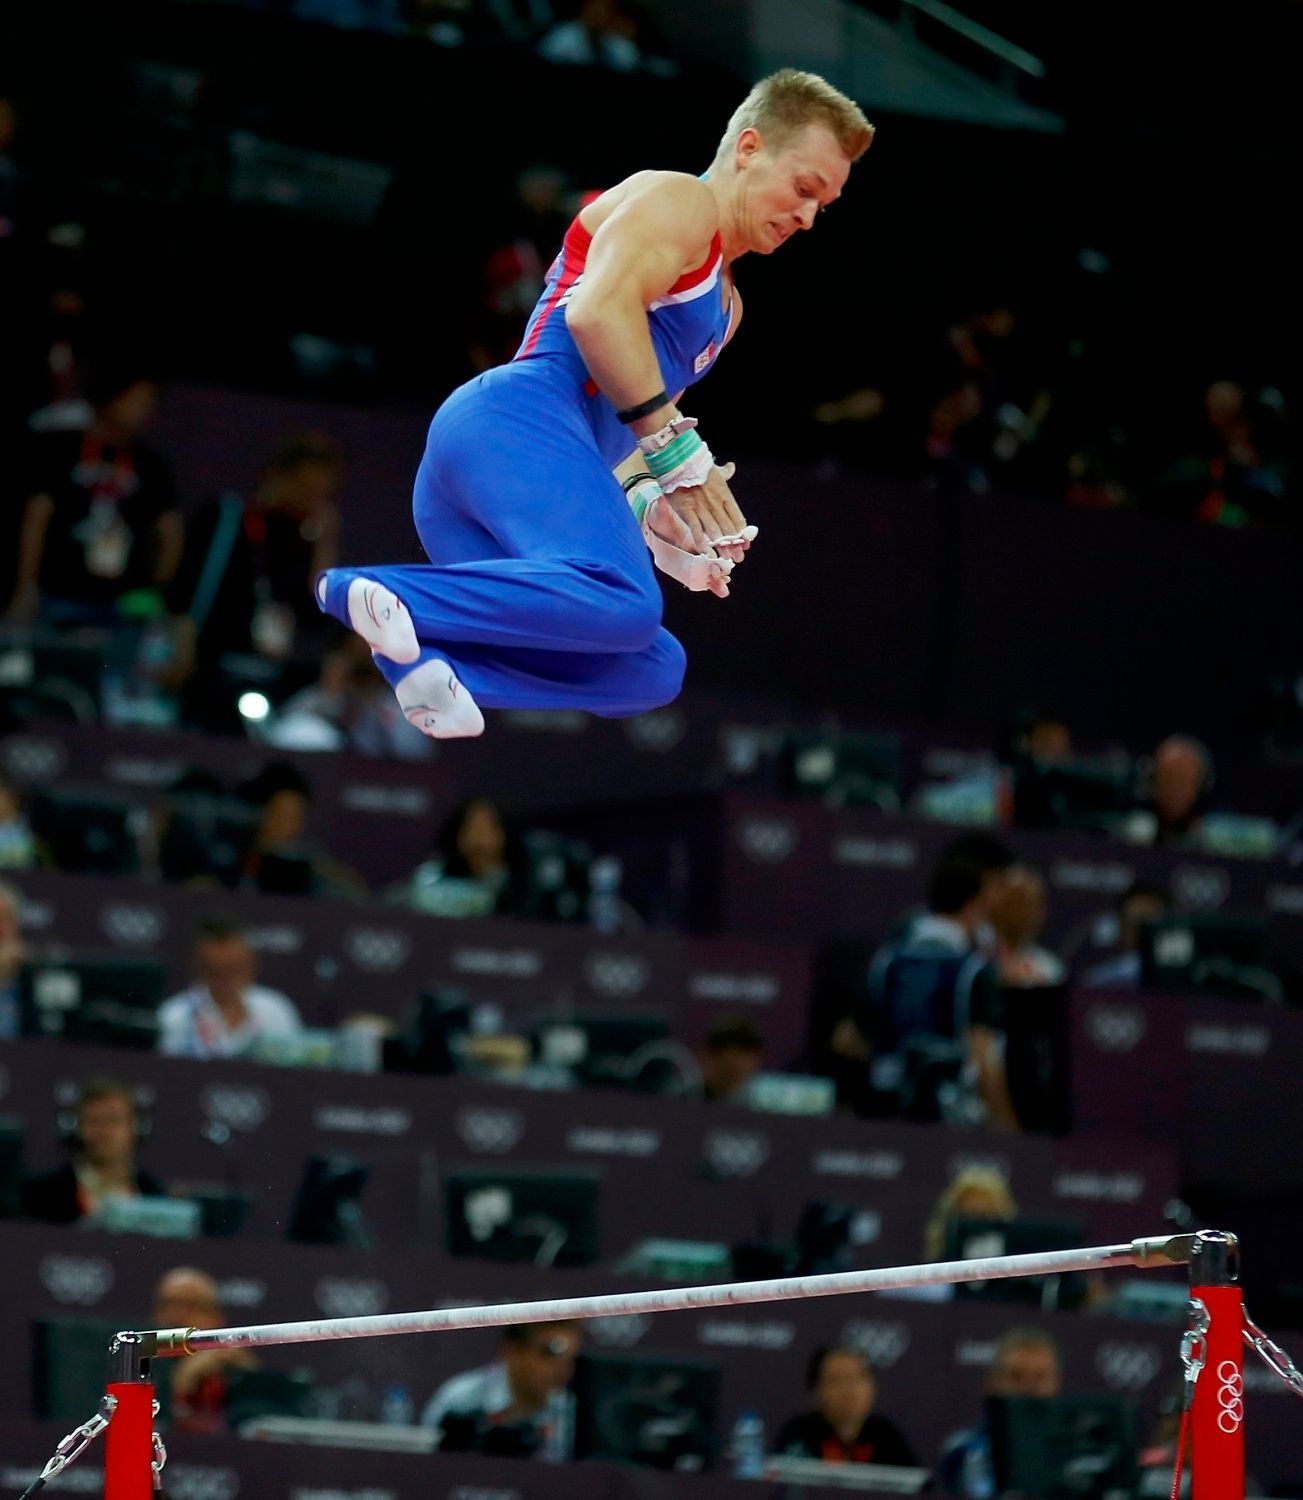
(1230, 1397)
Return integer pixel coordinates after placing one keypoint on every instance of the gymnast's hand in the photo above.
(665, 522)
(710, 512)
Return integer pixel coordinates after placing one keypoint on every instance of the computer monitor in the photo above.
(109, 1001)
(206, 836)
(976, 1239)
(1205, 951)
(556, 883)
(1073, 794)
(1063, 1447)
(69, 1357)
(598, 1047)
(657, 1412)
(223, 1211)
(327, 1208)
(429, 1042)
(549, 1218)
(49, 675)
(87, 832)
(12, 1139)
(848, 769)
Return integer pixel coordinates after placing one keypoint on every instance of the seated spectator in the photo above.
(102, 1148)
(12, 954)
(223, 1011)
(476, 867)
(1140, 904)
(932, 986)
(974, 1193)
(1229, 476)
(841, 1426)
(245, 581)
(1026, 1363)
(729, 1057)
(193, 1390)
(517, 1406)
(17, 842)
(1018, 919)
(101, 533)
(601, 35)
(349, 707)
(280, 860)
(1180, 776)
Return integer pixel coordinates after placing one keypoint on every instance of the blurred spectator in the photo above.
(1026, 1363)
(351, 15)
(1139, 904)
(515, 268)
(12, 954)
(951, 459)
(1018, 919)
(974, 1193)
(349, 707)
(841, 1425)
(517, 1406)
(1180, 777)
(929, 1027)
(245, 582)
(194, 1389)
(602, 34)
(730, 1055)
(280, 859)
(223, 1011)
(1042, 737)
(102, 1147)
(17, 843)
(1227, 479)
(476, 867)
(101, 533)
(446, 23)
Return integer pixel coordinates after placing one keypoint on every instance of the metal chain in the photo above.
(72, 1447)
(159, 1462)
(1273, 1356)
(1194, 1348)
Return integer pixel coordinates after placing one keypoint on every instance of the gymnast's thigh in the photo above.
(520, 478)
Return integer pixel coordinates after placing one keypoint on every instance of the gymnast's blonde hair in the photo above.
(778, 106)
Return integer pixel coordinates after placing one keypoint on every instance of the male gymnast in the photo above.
(546, 482)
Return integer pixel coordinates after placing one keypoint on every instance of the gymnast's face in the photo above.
(783, 187)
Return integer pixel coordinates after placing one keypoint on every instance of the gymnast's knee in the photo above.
(665, 665)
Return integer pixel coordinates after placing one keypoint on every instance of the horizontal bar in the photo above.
(1161, 1250)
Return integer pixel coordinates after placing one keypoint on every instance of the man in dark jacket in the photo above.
(103, 1159)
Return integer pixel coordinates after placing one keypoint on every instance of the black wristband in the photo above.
(644, 408)
(636, 479)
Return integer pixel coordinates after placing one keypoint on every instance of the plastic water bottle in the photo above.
(396, 1409)
(747, 1446)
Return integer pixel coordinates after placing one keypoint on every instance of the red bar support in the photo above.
(1217, 1416)
(129, 1437)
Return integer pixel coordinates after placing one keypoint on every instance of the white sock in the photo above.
(437, 704)
(382, 620)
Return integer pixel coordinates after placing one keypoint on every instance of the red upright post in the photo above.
(1217, 1415)
(129, 1437)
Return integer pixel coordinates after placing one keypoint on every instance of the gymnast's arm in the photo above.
(657, 233)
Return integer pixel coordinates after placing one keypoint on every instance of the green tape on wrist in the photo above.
(673, 454)
(641, 496)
